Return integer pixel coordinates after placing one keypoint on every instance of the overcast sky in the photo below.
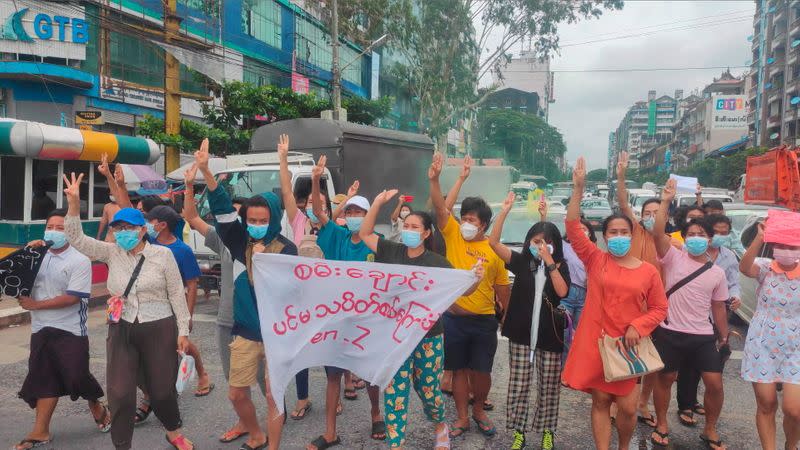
(589, 105)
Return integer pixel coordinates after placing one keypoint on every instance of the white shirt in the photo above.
(68, 272)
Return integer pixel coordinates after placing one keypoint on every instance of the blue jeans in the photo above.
(573, 304)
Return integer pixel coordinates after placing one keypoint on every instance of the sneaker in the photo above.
(548, 440)
(519, 440)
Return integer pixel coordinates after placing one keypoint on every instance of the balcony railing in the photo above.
(776, 67)
(790, 115)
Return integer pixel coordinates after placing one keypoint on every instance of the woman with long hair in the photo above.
(542, 251)
(625, 297)
(423, 368)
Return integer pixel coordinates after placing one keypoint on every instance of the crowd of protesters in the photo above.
(668, 278)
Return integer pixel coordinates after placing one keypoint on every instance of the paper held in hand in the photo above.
(359, 316)
(685, 185)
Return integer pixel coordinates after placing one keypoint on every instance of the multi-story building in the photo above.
(57, 58)
(774, 78)
(514, 100)
(529, 74)
(645, 125)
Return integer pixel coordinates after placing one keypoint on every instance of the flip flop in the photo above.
(663, 436)
(458, 431)
(300, 414)
(712, 444)
(378, 429)
(486, 428)
(350, 394)
(260, 447)
(690, 422)
(650, 421)
(443, 439)
(34, 443)
(232, 435)
(699, 409)
(323, 444)
(487, 405)
(180, 443)
(359, 383)
(339, 409)
(141, 414)
(101, 422)
(204, 390)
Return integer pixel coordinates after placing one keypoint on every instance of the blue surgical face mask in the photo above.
(257, 231)
(151, 230)
(411, 238)
(619, 246)
(720, 240)
(696, 245)
(127, 239)
(354, 223)
(58, 238)
(310, 213)
(649, 223)
(535, 250)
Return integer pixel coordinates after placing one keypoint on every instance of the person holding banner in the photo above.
(470, 323)
(542, 252)
(342, 244)
(255, 228)
(773, 329)
(424, 367)
(626, 298)
(147, 311)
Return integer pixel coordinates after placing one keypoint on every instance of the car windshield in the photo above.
(561, 192)
(640, 201)
(691, 200)
(519, 221)
(245, 183)
(739, 217)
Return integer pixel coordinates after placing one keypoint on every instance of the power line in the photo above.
(636, 69)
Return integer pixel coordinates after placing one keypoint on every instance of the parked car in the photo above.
(595, 210)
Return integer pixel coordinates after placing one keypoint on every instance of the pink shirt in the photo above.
(690, 306)
(298, 227)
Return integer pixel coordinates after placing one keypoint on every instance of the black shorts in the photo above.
(683, 350)
(59, 366)
(470, 342)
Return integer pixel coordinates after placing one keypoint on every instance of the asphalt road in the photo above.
(206, 418)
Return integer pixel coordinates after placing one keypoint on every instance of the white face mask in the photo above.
(468, 231)
(404, 214)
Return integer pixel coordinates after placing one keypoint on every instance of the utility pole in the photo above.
(336, 81)
(172, 85)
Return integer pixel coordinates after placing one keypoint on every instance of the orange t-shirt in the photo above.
(643, 246)
(615, 299)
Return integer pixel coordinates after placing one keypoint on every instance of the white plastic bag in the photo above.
(185, 372)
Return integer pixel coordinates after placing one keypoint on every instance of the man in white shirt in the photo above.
(59, 359)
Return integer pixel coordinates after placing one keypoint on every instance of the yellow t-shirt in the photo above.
(464, 254)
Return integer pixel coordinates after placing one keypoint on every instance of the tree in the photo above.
(524, 140)
(597, 175)
(446, 57)
(243, 107)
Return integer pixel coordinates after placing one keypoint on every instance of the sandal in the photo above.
(358, 382)
(487, 405)
(712, 444)
(339, 409)
(141, 413)
(300, 414)
(458, 431)
(378, 430)
(699, 409)
(664, 437)
(650, 420)
(443, 439)
(232, 435)
(180, 443)
(263, 446)
(350, 394)
(23, 444)
(202, 391)
(322, 444)
(104, 422)
(486, 428)
(687, 422)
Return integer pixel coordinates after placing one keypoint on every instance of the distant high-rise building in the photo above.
(773, 94)
(645, 125)
(527, 73)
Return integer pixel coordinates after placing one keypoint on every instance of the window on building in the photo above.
(12, 172)
(45, 188)
(208, 7)
(85, 168)
(349, 56)
(261, 19)
(261, 74)
(135, 60)
(311, 44)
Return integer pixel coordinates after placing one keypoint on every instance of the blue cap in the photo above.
(128, 215)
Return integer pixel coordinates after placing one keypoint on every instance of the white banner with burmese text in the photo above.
(361, 316)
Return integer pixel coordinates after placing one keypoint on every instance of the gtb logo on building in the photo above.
(44, 27)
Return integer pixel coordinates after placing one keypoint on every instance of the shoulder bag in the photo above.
(620, 363)
(115, 303)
